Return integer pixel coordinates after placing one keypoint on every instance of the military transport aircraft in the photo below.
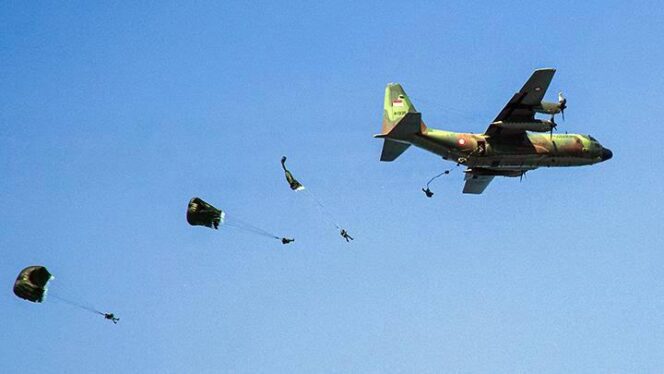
(514, 143)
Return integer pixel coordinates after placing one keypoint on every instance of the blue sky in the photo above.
(113, 115)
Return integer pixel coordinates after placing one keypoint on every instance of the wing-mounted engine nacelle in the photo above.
(538, 125)
(547, 107)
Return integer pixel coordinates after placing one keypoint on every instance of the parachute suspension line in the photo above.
(75, 304)
(441, 174)
(252, 229)
(428, 191)
(322, 209)
(246, 226)
(66, 288)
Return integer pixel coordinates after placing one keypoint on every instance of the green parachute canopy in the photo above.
(31, 283)
(200, 213)
(294, 184)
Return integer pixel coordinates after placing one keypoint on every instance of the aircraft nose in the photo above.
(606, 154)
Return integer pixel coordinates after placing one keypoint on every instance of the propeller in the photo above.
(562, 104)
(553, 126)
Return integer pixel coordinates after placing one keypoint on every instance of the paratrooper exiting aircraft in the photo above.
(514, 143)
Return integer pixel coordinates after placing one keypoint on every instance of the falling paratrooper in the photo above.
(427, 191)
(295, 185)
(32, 285)
(201, 213)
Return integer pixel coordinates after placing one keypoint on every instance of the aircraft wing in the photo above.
(476, 184)
(520, 107)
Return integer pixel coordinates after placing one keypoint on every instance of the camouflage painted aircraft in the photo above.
(514, 143)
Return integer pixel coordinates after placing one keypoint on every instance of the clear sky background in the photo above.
(112, 116)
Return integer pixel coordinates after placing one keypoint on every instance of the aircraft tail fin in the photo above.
(400, 122)
(396, 106)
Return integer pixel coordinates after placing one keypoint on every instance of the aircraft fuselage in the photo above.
(521, 153)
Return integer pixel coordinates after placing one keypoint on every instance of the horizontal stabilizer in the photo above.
(392, 150)
(397, 140)
(476, 184)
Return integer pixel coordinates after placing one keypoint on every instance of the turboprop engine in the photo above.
(547, 107)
